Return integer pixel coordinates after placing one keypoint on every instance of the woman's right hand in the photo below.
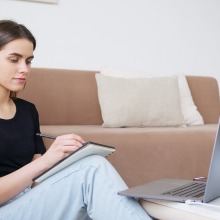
(62, 147)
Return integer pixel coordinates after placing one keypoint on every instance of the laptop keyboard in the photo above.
(193, 189)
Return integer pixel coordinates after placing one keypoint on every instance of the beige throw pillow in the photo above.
(189, 110)
(139, 102)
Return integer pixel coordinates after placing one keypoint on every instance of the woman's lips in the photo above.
(20, 80)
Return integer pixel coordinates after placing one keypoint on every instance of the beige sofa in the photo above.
(67, 101)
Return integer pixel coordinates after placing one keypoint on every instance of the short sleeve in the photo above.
(39, 144)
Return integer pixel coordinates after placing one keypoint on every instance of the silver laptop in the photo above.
(182, 190)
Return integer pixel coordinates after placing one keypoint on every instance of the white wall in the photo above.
(154, 36)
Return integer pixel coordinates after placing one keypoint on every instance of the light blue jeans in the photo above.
(85, 190)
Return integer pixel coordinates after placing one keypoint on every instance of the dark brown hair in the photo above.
(11, 30)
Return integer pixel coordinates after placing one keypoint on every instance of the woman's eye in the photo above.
(28, 62)
(14, 60)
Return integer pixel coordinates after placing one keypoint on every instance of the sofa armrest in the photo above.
(205, 93)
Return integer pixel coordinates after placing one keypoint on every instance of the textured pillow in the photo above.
(139, 102)
(189, 110)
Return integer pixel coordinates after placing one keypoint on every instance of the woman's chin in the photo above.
(17, 88)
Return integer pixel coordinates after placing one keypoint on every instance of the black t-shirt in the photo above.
(18, 140)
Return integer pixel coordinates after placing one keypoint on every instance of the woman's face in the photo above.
(15, 64)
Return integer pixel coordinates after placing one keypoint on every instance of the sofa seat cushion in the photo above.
(187, 149)
(98, 133)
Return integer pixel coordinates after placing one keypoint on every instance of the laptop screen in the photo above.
(213, 182)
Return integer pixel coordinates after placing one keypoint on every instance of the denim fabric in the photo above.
(85, 190)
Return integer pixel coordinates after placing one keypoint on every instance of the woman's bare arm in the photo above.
(14, 183)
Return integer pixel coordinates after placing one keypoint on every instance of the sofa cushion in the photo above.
(189, 110)
(139, 150)
(139, 102)
(190, 113)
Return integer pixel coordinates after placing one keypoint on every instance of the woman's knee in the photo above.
(85, 165)
(96, 160)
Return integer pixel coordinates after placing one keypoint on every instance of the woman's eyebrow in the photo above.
(19, 55)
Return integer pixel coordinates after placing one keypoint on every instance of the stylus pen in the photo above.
(46, 136)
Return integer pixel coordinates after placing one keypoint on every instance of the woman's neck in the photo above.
(7, 106)
(4, 97)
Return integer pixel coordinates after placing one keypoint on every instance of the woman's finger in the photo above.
(71, 137)
(67, 142)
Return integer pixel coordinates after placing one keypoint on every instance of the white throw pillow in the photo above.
(189, 110)
(139, 102)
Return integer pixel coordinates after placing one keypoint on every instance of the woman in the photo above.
(85, 190)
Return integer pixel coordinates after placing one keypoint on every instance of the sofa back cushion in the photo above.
(205, 93)
(70, 97)
(63, 97)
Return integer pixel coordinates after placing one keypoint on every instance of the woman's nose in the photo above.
(23, 68)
